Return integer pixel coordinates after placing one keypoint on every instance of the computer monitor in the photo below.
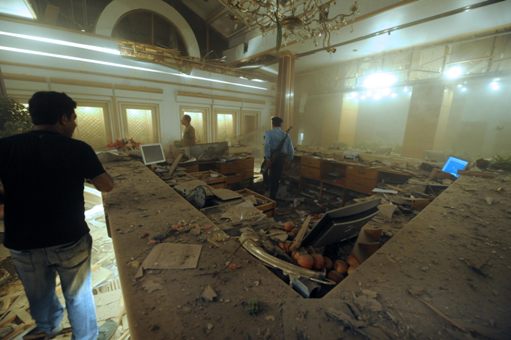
(341, 224)
(453, 165)
(152, 153)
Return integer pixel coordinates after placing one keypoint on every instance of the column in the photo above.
(286, 88)
(349, 116)
(442, 142)
(423, 116)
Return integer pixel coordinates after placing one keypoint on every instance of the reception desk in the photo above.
(348, 175)
(430, 266)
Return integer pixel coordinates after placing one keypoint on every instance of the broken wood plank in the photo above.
(175, 164)
(297, 242)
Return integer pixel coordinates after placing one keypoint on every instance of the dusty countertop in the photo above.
(445, 274)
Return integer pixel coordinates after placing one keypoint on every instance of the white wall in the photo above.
(33, 65)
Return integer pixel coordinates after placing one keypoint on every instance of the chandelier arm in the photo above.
(339, 18)
(342, 16)
(301, 19)
(326, 39)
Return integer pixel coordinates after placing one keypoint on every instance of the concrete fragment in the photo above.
(209, 327)
(366, 303)
(369, 293)
(209, 294)
(387, 210)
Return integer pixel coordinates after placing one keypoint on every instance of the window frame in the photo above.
(107, 117)
(245, 113)
(123, 118)
(207, 120)
(234, 112)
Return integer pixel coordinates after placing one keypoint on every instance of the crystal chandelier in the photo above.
(293, 19)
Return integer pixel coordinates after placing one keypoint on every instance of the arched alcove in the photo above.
(118, 9)
(149, 28)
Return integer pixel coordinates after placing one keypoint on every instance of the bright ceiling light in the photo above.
(353, 95)
(93, 61)
(62, 42)
(454, 72)
(495, 85)
(379, 80)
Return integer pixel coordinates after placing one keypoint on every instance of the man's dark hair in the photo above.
(47, 107)
(187, 118)
(276, 121)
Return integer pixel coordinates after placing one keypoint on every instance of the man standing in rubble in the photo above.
(189, 131)
(43, 173)
(278, 149)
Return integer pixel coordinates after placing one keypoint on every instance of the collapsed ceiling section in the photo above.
(226, 38)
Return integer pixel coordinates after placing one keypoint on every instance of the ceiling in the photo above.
(379, 30)
(380, 27)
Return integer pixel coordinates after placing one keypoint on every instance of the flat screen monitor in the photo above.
(341, 224)
(152, 153)
(453, 165)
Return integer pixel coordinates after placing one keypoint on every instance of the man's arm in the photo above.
(103, 182)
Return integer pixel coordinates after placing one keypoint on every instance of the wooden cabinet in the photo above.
(349, 175)
(310, 167)
(237, 170)
(361, 179)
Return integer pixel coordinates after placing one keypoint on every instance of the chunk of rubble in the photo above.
(209, 294)
(387, 210)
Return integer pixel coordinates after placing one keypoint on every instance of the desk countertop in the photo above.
(447, 272)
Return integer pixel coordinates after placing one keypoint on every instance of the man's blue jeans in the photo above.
(37, 269)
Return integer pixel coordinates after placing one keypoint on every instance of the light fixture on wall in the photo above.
(495, 85)
(293, 19)
(379, 80)
(453, 72)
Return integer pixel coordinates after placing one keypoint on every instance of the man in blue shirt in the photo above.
(278, 149)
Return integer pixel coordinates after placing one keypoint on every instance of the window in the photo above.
(93, 125)
(140, 122)
(249, 122)
(199, 122)
(225, 125)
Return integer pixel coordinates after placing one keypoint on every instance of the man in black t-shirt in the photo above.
(43, 173)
